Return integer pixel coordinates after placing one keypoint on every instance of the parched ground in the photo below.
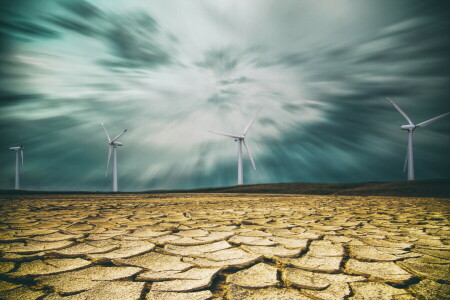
(223, 246)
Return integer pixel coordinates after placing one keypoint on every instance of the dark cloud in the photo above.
(82, 8)
(134, 41)
(24, 28)
(73, 25)
(132, 38)
(267, 121)
(221, 61)
(8, 98)
(291, 59)
(225, 99)
(105, 86)
(239, 80)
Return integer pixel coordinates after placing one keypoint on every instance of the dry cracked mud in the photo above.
(223, 246)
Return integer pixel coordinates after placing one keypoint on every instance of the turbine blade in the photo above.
(401, 111)
(250, 123)
(119, 136)
(249, 155)
(226, 134)
(427, 122)
(109, 157)
(21, 155)
(20, 134)
(109, 139)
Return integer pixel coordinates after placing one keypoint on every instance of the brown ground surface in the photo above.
(223, 246)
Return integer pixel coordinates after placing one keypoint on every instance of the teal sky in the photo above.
(170, 71)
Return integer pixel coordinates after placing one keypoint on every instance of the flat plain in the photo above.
(223, 246)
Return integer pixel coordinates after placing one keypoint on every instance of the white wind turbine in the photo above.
(19, 152)
(113, 149)
(241, 140)
(409, 161)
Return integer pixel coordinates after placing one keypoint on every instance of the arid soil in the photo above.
(223, 246)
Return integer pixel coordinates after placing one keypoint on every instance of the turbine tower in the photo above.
(113, 150)
(409, 161)
(241, 140)
(19, 152)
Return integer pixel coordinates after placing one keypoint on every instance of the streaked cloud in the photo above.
(169, 71)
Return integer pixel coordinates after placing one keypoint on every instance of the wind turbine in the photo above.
(241, 140)
(409, 161)
(113, 150)
(19, 152)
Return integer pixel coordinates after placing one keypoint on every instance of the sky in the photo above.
(169, 71)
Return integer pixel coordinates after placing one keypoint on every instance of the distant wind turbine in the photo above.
(241, 140)
(409, 161)
(19, 152)
(112, 149)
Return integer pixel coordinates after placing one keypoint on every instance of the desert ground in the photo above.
(223, 246)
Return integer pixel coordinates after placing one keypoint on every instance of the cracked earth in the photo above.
(223, 246)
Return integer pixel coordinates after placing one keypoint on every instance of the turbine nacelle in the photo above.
(116, 143)
(408, 127)
(15, 148)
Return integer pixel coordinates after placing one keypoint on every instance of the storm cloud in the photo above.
(170, 71)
